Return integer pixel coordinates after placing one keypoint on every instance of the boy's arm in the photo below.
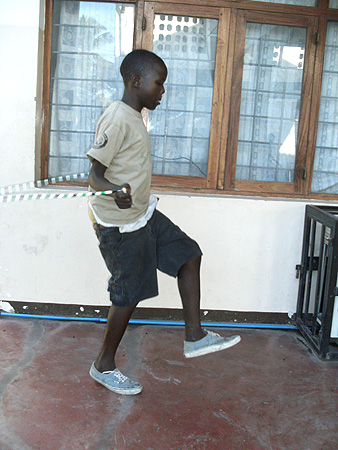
(98, 182)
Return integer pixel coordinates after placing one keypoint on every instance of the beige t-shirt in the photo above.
(122, 145)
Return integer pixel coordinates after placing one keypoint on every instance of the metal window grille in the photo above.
(316, 308)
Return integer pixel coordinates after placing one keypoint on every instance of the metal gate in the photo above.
(316, 316)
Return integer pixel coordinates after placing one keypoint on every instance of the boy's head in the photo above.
(138, 62)
(144, 74)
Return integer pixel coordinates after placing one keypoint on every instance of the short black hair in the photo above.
(138, 62)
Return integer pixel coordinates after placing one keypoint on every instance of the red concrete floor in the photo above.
(267, 393)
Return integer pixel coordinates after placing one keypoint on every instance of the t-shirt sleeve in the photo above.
(108, 142)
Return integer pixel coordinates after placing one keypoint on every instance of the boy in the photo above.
(136, 239)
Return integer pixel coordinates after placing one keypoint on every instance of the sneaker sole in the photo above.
(212, 348)
(117, 390)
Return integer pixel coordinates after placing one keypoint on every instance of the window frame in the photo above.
(230, 182)
(153, 8)
(42, 171)
(232, 16)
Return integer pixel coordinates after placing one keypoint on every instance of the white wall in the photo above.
(48, 251)
(19, 28)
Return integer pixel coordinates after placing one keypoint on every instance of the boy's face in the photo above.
(151, 88)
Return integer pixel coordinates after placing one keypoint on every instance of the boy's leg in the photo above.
(173, 248)
(117, 322)
(122, 292)
(103, 370)
(188, 279)
(197, 342)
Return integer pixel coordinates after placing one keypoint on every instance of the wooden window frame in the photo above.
(232, 16)
(153, 8)
(230, 183)
(42, 171)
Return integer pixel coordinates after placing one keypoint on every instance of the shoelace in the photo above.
(118, 374)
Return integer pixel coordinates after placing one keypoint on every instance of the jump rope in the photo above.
(19, 192)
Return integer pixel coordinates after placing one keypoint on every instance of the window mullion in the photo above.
(301, 169)
(221, 100)
(315, 103)
(147, 25)
(138, 23)
(237, 70)
(42, 171)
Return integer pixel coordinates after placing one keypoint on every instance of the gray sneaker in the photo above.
(115, 381)
(212, 342)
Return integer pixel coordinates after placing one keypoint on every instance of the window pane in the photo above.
(270, 105)
(88, 44)
(292, 2)
(333, 4)
(325, 172)
(180, 127)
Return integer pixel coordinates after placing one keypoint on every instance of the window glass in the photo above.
(270, 102)
(89, 42)
(333, 4)
(325, 172)
(180, 127)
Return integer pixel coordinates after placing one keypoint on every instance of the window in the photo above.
(180, 129)
(266, 141)
(325, 172)
(89, 42)
(251, 97)
(270, 102)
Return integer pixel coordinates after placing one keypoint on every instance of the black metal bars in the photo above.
(318, 280)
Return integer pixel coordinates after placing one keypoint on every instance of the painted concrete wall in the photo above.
(251, 247)
(19, 29)
(48, 250)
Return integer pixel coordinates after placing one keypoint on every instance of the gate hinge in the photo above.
(144, 23)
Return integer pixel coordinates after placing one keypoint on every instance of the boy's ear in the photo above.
(136, 81)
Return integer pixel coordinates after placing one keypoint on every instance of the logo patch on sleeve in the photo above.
(101, 141)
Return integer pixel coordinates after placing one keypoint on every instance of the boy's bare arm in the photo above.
(98, 182)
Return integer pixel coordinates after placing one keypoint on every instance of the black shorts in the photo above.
(133, 258)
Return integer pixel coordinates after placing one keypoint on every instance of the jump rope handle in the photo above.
(126, 189)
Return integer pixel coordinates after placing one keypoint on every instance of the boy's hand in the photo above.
(123, 197)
